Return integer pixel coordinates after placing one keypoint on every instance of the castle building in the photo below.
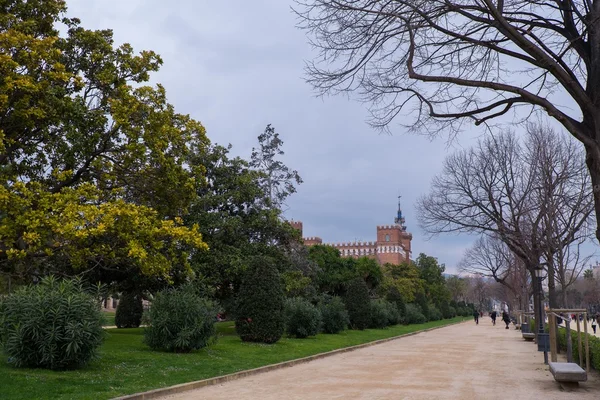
(392, 244)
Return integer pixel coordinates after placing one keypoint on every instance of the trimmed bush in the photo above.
(302, 319)
(129, 311)
(445, 310)
(179, 321)
(594, 343)
(452, 312)
(435, 314)
(414, 315)
(379, 314)
(334, 315)
(383, 314)
(54, 325)
(259, 311)
(358, 304)
(394, 296)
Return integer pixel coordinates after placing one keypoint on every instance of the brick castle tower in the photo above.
(391, 246)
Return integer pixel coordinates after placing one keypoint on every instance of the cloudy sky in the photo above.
(237, 66)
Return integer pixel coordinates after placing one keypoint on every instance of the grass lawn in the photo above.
(109, 318)
(128, 366)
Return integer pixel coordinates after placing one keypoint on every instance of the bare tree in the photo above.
(491, 258)
(440, 63)
(507, 190)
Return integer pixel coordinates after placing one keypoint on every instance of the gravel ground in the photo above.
(464, 361)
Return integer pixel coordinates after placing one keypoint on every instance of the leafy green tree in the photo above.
(333, 271)
(260, 309)
(434, 281)
(93, 171)
(358, 304)
(235, 223)
(129, 311)
(368, 269)
(278, 180)
(403, 279)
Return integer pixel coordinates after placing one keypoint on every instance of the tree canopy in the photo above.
(92, 160)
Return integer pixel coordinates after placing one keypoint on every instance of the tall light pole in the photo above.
(542, 337)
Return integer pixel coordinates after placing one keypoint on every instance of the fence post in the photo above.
(552, 322)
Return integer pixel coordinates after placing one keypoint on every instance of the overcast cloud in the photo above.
(237, 66)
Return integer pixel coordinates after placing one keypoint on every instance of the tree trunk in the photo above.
(552, 296)
(593, 163)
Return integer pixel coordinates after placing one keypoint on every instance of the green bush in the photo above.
(422, 302)
(394, 296)
(594, 344)
(334, 315)
(302, 319)
(179, 321)
(259, 311)
(54, 324)
(129, 311)
(358, 304)
(445, 310)
(435, 314)
(383, 314)
(452, 312)
(414, 315)
(379, 314)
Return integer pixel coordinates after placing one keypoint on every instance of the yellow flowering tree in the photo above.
(93, 171)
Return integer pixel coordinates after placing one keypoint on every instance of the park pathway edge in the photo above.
(184, 387)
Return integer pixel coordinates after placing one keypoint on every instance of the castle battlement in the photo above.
(354, 244)
(380, 227)
(392, 245)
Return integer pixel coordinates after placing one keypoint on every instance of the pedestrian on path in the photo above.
(476, 316)
(493, 316)
(506, 318)
(594, 324)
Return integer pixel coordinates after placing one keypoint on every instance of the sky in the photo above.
(237, 66)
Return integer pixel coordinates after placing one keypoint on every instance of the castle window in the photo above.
(387, 238)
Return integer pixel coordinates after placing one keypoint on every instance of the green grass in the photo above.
(128, 366)
(109, 318)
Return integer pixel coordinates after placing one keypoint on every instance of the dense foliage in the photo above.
(129, 311)
(260, 307)
(302, 319)
(383, 314)
(93, 160)
(358, 304)
(54, 324)
(414, 315)
(334, 314)
(180, 320)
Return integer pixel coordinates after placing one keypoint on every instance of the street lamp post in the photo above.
(543, 337)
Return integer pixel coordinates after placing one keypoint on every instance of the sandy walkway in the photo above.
(458, 362)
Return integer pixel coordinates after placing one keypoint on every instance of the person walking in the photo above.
(506, 318)
(493, 315)
(476, 317)
(594, 324)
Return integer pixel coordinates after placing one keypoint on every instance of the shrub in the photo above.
(414, 315)
(594, 344)
(445, 310)
(421, 301)
(383, 313)
(394, 296)
(302, 319)
(435, 314)
(452, 312)
(179, 321)
(334, 315)
(54, 324)
(129, 311)
(259, 311)
(358, 304)
(379, 314)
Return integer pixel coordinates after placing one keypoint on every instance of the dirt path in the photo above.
(462, 361)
